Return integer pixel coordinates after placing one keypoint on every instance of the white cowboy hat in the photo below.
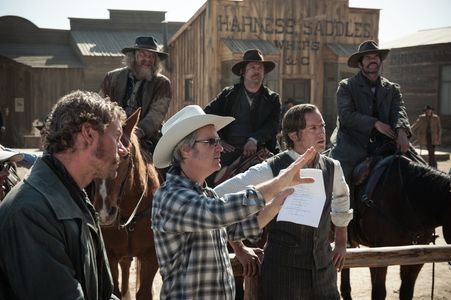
(187, 120)
(6, 155)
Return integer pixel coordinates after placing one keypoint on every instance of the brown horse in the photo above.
(124, 206)
(401, 204)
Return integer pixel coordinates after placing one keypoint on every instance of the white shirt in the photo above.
(341, 214)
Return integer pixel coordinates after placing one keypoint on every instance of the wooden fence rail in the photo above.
(367, 257)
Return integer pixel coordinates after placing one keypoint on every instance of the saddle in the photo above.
(363, 169)
(241, 164)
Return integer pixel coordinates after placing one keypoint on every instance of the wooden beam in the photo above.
(401, 255)
(365, 257)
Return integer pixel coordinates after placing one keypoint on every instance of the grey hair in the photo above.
(190, 140)
(129, 61)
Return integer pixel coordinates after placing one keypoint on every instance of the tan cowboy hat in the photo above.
(10, 155)
(253, 55)
(148, 43)
(187, 120)
(367, 47)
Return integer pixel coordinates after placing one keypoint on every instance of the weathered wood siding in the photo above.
(417, 70)
(300, 29)
(39, 88)
(187, 60)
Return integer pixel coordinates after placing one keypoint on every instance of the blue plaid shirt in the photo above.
(191, 227)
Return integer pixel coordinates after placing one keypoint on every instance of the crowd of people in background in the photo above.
(192, 218)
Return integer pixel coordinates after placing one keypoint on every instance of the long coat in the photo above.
(355, 121)
(155, 97)
(267, 113)
(47, 248)
(420, 126)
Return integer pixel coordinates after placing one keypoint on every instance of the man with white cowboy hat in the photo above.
(8, 175)
(370, 110)
(191, 223)
(254, 106)
(140, 84)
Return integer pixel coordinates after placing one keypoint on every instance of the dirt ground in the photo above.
(360, 277)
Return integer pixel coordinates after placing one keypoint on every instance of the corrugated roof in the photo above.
(41, 55)
(422, 37)
(240, 46)
(343, 49)
(108, 43)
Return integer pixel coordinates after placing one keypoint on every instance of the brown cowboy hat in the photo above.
(148, 43)
(366, 47)
(253, 55)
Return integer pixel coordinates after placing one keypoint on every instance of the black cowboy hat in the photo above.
(367, 47)
(253, 55)
(428, 107)
(148, 43)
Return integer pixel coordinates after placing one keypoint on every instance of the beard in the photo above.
(106, 161)
(144, 72)
(367, 70)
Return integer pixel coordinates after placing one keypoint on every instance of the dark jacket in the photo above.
(355, 120)
(266, 118)
(48, 250)
(155, 97)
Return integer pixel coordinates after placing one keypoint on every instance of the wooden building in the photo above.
(38, 66)
(421, 64)
(310, 41)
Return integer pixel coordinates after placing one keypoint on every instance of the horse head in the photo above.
(108, 192)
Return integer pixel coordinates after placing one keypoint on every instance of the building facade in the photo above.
(38, 66)
(310, 41)
(421, 64)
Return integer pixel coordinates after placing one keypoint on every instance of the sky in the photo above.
(398, 18)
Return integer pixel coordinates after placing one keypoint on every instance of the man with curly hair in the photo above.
(52, 246)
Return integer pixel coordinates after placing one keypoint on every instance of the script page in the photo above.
(306, 204)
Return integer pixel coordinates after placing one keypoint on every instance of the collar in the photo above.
(175, 174)
(294, 155)
(369, 82)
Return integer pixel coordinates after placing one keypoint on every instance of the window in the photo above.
(445, 91)
(189, 90)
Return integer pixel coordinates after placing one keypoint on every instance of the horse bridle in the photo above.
(132, 218)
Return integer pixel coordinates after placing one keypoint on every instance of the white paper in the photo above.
(306, 204)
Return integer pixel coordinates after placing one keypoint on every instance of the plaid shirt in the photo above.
(191, 227)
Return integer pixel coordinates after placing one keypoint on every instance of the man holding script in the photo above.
(299, 262)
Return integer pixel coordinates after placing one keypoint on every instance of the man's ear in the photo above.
(88, 133)
(293, 136)
(185, 151)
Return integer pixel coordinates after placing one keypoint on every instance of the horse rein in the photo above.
(133, 216)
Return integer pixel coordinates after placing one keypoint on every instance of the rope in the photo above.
(433, 272)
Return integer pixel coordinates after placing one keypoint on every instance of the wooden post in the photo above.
(250, 283)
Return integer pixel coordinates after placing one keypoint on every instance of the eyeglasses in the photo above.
(211, 142)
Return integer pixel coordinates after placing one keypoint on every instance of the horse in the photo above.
(124, 209)
(401, 204)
